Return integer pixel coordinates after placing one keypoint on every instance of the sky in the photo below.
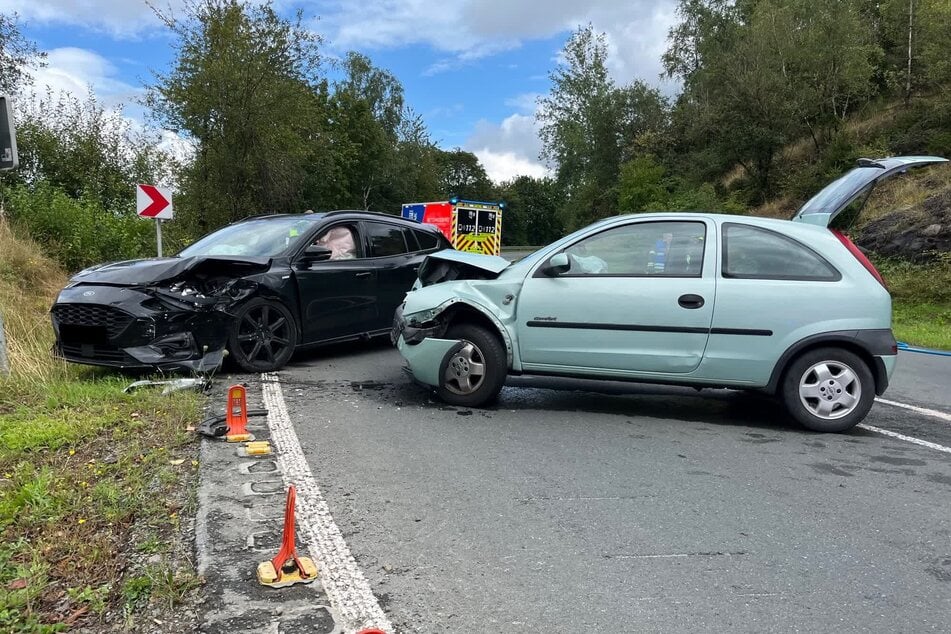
(472, 68)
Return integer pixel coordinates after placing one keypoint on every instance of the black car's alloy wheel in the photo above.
(264, 336)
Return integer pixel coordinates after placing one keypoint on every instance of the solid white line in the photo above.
(921, 410)
(912, 439)
(346, 587)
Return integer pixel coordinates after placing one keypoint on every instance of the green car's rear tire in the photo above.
(828, 389)
(473, 374)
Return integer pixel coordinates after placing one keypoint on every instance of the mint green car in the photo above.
(791, 308)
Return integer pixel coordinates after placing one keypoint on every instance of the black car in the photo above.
(258, 288)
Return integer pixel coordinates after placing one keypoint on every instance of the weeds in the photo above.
(82, 463)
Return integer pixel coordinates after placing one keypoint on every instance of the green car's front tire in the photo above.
(473, 374)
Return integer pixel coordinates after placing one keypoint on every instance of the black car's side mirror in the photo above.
(557, 264)
(314, 253)
(317, 253)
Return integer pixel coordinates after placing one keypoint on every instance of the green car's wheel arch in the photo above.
(828, 389)
(263, 337)
(472, 374)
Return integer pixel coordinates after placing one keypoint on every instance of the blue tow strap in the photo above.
(906, 348)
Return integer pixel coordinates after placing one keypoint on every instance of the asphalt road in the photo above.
(616, 507)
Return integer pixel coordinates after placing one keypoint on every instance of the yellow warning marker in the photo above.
(291, 574)
(258, 448)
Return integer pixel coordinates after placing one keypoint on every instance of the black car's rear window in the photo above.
(262, 237)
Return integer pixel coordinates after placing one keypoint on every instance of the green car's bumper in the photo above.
(424, 360)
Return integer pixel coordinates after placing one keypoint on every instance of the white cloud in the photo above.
(75, 71)
(508, 149)
(467, 30)
(504, 166)
(124, 18)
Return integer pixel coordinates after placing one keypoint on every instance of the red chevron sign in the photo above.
(153, 202)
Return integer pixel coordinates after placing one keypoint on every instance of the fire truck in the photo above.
(471, 225)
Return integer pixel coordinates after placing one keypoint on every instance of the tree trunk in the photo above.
(911, 23)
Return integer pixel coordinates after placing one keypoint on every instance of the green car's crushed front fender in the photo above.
(424, 359)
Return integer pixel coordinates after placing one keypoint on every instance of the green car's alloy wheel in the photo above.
(263, 337)
(474, 373)
(828, 389)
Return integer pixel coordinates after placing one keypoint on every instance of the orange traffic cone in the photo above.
(237, 415)
(287, 568)
(371, 630)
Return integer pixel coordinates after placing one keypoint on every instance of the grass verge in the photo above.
(921, 297)
(93, 482)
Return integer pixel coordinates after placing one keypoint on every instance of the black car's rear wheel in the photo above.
(263, 337)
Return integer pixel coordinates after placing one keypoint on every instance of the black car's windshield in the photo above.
(263, 237)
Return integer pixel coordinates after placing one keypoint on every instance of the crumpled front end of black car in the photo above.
(170, 328)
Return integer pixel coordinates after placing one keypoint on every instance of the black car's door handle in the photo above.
(363, 274)
(690, 301)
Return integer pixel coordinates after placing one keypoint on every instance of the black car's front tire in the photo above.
(828, 389)
(263, 337)
(473, 374)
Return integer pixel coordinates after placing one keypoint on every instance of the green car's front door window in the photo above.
(647, 248)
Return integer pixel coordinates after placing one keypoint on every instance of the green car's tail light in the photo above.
(854, 250)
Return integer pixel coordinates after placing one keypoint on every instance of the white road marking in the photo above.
(911, 439)
(920, 410)
(346, 587)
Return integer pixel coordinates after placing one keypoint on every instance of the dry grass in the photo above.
(859, 126)
(906, 193)
(29, 282)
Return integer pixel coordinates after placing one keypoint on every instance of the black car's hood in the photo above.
(158, 270)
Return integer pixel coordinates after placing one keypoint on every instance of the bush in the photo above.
(77, 232)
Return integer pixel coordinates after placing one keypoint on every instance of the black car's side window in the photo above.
(342, 242)
(426, 240)
(755, 253)
(385, 239)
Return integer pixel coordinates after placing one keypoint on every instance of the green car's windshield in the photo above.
(263, 237)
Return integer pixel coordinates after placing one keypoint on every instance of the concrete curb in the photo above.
(238, 524)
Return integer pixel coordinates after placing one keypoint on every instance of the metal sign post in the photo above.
(158, 235)
(4, 363)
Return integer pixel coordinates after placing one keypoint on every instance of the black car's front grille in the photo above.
(93, 315)
(95, 353)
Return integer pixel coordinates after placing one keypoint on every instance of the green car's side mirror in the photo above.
(557, 264)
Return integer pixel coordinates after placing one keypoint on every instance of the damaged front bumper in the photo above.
(425, 360)
(139, 328)
(421, 347)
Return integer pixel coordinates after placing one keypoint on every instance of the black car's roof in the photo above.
(358, 213)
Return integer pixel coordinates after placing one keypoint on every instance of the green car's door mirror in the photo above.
(557, 265)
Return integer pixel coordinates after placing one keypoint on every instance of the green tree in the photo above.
(759, 75)
(245, 87)
(366, 115)
(589, 126)
(17, 55)
(531, 211)
(462, 175)
(87, 151)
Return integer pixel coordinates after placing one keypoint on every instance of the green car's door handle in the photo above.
(690, 301)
